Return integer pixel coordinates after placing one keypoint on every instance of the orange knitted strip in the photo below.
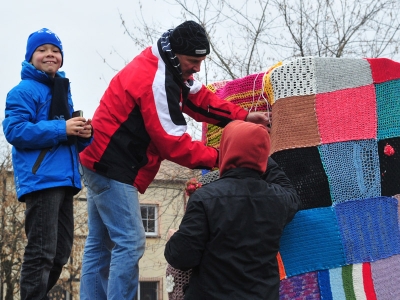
(282, 272)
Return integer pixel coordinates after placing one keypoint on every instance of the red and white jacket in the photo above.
(139, 122)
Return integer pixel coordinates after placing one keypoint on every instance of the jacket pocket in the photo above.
(39, 160)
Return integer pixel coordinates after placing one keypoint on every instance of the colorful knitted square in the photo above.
(300, 129)
(333, 74)
(353, 111)
(347, 282)
(384, 69)
(304, 168)
(369, 229)
(352, 169)
(386, 278)
(295, 78)
(303, 286)
(389, 158)
(312, 242)
(336, 134)
(388, 102)
(247, 92)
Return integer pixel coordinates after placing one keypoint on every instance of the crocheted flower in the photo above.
(388, 150)
(192, 185)
(170, 284)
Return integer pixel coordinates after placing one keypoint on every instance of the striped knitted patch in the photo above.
(348, 282)
(247, 92)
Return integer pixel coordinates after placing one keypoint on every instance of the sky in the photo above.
(89, 31)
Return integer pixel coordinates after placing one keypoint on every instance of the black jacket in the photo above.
(230, 235)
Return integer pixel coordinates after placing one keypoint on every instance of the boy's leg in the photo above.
(65, 236)
(41, 217)
(97, 252)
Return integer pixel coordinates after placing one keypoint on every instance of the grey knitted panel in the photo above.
(209, 177)
(334, 74)
(295, 78)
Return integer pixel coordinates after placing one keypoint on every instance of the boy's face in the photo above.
(47, 58)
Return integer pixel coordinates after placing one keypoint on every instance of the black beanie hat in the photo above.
(190, 39)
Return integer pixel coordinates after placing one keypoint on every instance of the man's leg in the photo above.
(97, 252)
(120, 212)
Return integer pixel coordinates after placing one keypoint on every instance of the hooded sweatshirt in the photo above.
(244, 145)
(231, 230)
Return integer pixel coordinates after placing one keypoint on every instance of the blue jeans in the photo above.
(49, 227)
(115, 242)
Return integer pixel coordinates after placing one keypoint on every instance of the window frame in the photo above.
(156, 232)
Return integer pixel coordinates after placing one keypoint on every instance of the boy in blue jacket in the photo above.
(46, 142)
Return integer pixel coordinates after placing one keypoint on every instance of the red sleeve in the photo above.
(204, 106)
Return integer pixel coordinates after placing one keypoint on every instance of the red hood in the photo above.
(244, 145)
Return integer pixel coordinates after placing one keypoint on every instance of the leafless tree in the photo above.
(12, 235)
(339, 28)
(247, 37)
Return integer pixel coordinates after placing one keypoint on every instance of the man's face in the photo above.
(189, 65)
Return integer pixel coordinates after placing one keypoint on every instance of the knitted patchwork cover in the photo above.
(336, 134)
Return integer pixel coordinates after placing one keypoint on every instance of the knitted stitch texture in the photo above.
(336, 134)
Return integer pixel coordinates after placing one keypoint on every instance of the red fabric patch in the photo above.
(384, 69)
(347, 115)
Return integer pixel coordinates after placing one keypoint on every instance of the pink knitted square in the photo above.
(347, 115)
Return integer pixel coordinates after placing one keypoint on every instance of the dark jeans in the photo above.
(49, 227)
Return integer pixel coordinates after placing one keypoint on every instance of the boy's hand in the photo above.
(80, 127)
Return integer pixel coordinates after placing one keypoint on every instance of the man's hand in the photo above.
(263, 118)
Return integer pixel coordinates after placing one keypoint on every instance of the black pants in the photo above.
(49, 227)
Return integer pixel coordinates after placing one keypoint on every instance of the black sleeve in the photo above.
(185, 248)
(277, 177)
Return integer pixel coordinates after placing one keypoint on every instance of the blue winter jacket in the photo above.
(27, 128)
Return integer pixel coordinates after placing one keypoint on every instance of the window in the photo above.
(150, 219)
(147, 290)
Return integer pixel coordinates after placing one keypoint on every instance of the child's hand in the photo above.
(80, 127)
(87, 130)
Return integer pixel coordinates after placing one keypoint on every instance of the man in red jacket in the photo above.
(231, 230)
(139, 123)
